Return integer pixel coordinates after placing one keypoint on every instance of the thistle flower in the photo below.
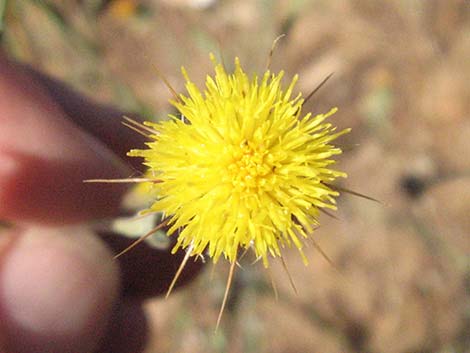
(241, 166)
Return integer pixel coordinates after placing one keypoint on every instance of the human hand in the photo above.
(60, 289)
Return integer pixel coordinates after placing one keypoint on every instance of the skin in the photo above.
(60, 289)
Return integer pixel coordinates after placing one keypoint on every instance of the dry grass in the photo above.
(401, 81)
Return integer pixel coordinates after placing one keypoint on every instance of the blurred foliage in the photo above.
(2, 15)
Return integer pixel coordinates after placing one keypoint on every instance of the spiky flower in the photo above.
(241, 166)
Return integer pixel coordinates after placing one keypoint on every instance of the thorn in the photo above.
(273, 284)
(339, 188)
(315, 90)
(200, 256)
(328, 213)
(211, 276)
(146, 214)
(126, 180)
(256, 260)
(348, 148)
(180, 269)
(244, 253)
(284, 265)
(227, 289)
(323, 254)
(141, 239)
(271, 52)
(140, 125)
(135, 129)
(167, 84)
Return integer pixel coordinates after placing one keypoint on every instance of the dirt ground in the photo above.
(401, 281)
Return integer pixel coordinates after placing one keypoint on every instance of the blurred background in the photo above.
(401, 81)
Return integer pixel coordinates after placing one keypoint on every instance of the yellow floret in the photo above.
(241, 166)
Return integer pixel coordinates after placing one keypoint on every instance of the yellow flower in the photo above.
(123, 8)
(241, 166)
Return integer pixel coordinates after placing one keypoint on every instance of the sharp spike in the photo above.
(355, 193)
(126, 180)
(348, 148)
(291, 280)
(142, 238)
(200, 256)
(271, 52)
(141, 216)
(136, 130)
(211, 276)
(322, 210)
(256, 260)
(323, 254)
(315, 90)
(167, 84)
(244, 253)
(180, 270)
(239, 265)
(140, 125)
(273, 284)
(227, 290)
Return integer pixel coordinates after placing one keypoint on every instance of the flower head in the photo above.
(241, 166)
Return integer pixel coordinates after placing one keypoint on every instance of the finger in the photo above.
(44, 159)
(140, 277)
(57, 290)
(146, 271)
(102, 121)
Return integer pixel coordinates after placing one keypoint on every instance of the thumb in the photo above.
(57, 289)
